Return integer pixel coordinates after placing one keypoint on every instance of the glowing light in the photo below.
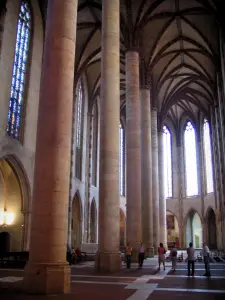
(6, 218)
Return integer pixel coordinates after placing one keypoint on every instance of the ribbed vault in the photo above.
(178, 42)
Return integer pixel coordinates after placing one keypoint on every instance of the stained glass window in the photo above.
(79, 128)
(122, 161)
(94, 144)
(190, 160)
(19, 72)
(208, 157)
(167, 161)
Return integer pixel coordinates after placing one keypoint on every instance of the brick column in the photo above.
(108, 257)
(47, 270)
(133, 150)
(162, 196)
(146, 171)
(155, 179)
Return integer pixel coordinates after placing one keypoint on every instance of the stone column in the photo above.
(146, 172)
(162, 194)
(47, 271)
(108, 257)
(181, 192)
(155, 179)
(133, 151)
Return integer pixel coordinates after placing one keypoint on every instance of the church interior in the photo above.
(111, 132)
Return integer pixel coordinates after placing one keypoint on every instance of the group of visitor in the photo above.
(172, 256)
(74, 255)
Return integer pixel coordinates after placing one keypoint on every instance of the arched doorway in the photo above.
(14, 207)
(172, 230)
(93, 223)
(76, 230)
(194, 230)
(211, 228)
(122, 228)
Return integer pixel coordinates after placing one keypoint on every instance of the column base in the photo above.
(47, 278)
(150, 252)
(108, 262)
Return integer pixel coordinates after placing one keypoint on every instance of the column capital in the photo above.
(154, 109)
(132, 49)
(145, 86)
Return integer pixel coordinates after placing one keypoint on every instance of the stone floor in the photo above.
(133, 284)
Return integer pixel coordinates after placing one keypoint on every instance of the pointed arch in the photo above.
(194, 230)
(15, 202)
(93, 222)
(190, 154)
(16, 109)
(211, 228)
(173, 232)
(76, 224)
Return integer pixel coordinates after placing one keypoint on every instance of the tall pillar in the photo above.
(162, 194)
(155, 179)
(181, 188)
(133, 148)
(146, 171)
(108, 257)
(47, 270)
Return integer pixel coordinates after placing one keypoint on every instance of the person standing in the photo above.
(141, 255)
(206, 254)
(161, 255)
(173, 256)
(191, 259)
(128, 254)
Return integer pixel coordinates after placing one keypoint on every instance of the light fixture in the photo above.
(6, 218)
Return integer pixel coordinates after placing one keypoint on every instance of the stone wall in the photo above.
(24, 152)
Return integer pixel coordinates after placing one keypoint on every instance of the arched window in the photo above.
(167, 161)
(79, 128)
(16, 102)
(208, 157)
(94, 144)
(190, 160)
(122, 161)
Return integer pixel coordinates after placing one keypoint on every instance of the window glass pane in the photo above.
(190, 160)
(208, 157)
(122, 162)
(79, 128)
(19, 71)
(94, 144)
(167, 161)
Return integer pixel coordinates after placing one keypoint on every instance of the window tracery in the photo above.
(16, 101)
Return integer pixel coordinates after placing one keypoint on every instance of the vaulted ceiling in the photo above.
(178, 42)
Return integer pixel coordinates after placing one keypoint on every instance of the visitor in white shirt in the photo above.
(206, 254)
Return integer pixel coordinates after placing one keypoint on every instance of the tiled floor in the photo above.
(135, 284)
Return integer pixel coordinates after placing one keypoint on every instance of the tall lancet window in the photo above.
(190, 160)
(16, 101)
(208, 157)
(122, 161)
(167, 161)
(79, 128)
(94, 144)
